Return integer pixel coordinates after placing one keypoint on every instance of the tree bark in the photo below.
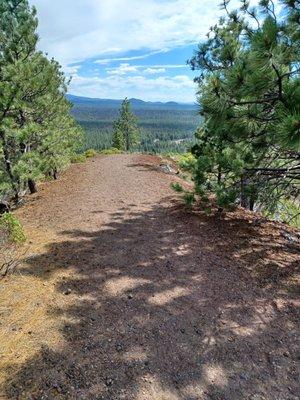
(55, 174)
(252, 201)
(244, 199)
(8, 167)
(32, 186)
(219, 175)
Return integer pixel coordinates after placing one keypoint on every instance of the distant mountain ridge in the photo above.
(135, 103)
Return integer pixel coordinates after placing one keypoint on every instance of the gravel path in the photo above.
(126, 295)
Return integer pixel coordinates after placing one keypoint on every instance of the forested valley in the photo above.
(165, 128)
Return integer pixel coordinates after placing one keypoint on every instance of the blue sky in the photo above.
(133, 48)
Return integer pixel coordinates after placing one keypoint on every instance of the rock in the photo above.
(130, 296)
(290, 238)
(67, 292)
(198, 331)
(244, 376)
(119, 347)
(167, 169)
(108, 382)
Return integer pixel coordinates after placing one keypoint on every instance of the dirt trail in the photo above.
(125, 295)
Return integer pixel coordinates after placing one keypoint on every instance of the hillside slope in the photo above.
(125, 295)
(135, 103)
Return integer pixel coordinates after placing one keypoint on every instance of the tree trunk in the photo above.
(8, 167)
(55, 174)
(220, 212)
(219, 175)
(244, 199)
(32, 186)
(127, 141)
(252, 201)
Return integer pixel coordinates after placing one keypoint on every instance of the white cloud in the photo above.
(167, 66)
(72, 70)
(122, 69)
(74, 30)
(133, 58)
(154, 70)
(178, 88)
(126, 68)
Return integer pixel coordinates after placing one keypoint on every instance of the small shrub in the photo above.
(189, 199)
(13, 228)
(170, 154)
(78, 158)
(12, 237)
(111, 150)
(177, 187)
(90, 153)
(290, 213)
(287, 211)
(226, 199)
(187, 162)
(208, 211)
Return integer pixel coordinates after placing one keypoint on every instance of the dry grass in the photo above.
(26, 324)
(25, 321)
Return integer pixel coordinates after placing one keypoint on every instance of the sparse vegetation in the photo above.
(78, 158)
(187, 162)
(177, 187)
(110, 151)
(90, 153)
(12, 229)
(287, 211)
(189, 199)
(12, 237)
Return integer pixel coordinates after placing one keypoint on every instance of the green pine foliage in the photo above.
(126, 134)
(11, 226)
(186, 162)
(177, 187)
(248, 148)
(37, 134)
(189, 199)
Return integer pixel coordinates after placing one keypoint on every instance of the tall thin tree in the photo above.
(126, 131)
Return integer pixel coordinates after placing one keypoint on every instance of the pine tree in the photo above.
(249, 93)
(126, 132)
(35, 126)
(118, 139)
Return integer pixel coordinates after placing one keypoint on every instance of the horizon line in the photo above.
(134, 98)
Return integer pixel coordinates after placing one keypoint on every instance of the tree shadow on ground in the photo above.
(169, 305)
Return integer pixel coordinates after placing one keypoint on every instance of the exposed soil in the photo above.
(126, 295)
